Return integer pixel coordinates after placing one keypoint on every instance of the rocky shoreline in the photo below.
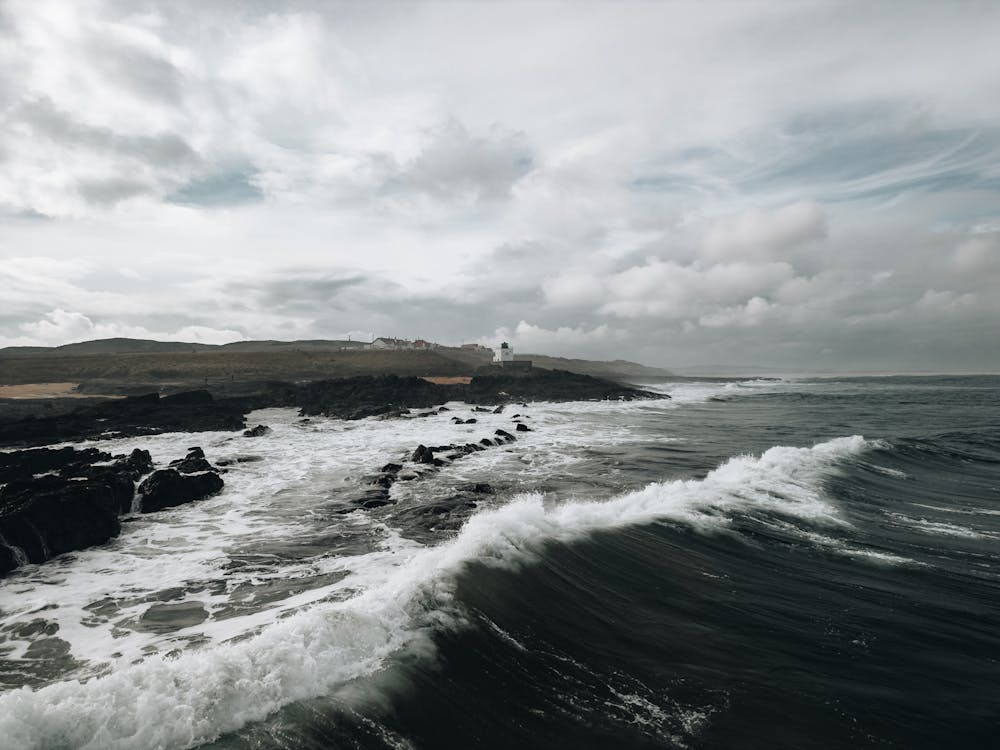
(58, 500)
(343, 398)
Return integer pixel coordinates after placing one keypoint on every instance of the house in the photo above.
(390, 343)
(421, 344)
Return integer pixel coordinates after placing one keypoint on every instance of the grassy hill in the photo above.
(116, 363)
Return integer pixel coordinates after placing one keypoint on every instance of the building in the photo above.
(390, 343)
(503, 354)
(421, 344)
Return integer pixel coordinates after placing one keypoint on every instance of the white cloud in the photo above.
(764, 235)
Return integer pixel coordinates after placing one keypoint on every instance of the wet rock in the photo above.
(480, 488)
(194, 411)
(498, 410)
(168, 488)
(192, 463)
(487, 442)
(391, 468)
(24, 464)
(53, 515)
(522, 427)
(507, 437)
(257, 431)
(422, 455)
(238, 460)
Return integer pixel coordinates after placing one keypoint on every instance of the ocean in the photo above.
(758, 564)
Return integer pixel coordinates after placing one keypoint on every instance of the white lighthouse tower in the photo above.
(503, 354)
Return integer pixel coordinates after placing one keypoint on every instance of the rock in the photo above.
(192, 463)
(480, 488)
(257, 431)
(471, 421)
(138, 415)
(25, 464)
(482, 409)
(391, 468)
(50, 516)
(137, 463)
(505, 435)
(167, 488)
(498, 410)
(522, 427)
(422, 455)
(487, 442)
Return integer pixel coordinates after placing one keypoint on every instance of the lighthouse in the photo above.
(503, 354)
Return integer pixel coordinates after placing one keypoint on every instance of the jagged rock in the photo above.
(482, 409)
(52, 515)
(167, 488)
(138, 462)
(257, 431)
(498, 410)
(422, 455)
(192, 463)
(522, 427)
(505, 435)
(480, 488)
(391, 468)
(25, 464)
(138, 415)
(487, 442)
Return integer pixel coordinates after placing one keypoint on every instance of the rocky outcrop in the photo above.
(60, 500)
(186, 480)
(168, 488)
(193, 411)
(257, 431)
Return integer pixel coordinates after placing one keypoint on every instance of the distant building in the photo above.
(474, 347)
(390, 343)
(502, 354)
(421, 344)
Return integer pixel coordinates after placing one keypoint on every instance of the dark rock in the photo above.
(137, 415)
(391, 468)
(480, 488)
(442, 409)
(52, 515)
(167, 488)
(522, 427)
(26, 463)
(498, 410)
(471, 421)
(505, 435)
(257, 431)
(422, 455)
(192, 463)
(486, 442)
(137, 463)
(482, 409)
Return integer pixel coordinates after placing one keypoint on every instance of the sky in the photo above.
(801, 185)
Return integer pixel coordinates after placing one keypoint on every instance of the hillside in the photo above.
(109, 365)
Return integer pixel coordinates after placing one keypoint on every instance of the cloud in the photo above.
(674, 181)
(59, 327)
(765, 235)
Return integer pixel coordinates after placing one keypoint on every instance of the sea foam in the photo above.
(189, 699)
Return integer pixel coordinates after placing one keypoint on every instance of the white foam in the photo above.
(404, 589)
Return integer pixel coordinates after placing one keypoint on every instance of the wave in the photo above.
(194, 697)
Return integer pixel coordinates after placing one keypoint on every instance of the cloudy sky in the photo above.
(802, 184)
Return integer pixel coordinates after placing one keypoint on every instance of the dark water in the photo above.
(880, 628)
(804, 564)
